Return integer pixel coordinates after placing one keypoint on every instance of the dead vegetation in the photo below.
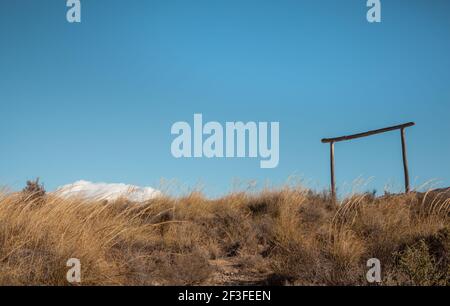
(283, 237)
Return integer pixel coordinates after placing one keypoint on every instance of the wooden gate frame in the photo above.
(400, 127)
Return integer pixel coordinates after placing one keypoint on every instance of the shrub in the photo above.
(34, 191)
(420, 268)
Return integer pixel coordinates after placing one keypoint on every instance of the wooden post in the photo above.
(333, 186)
(405, 160)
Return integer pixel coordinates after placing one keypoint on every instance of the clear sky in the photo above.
(96, 100)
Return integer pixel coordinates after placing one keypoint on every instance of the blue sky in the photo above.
(96, 100)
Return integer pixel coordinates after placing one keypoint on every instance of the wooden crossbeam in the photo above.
(369, 133)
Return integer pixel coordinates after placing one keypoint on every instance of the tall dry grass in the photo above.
(276, 237)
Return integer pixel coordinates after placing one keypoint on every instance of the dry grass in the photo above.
(289, 236)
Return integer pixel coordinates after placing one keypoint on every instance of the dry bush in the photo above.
(275, 237)
(34, 192)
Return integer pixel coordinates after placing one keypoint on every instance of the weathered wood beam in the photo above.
(369, 133)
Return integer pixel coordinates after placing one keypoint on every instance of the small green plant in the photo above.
(421, 268)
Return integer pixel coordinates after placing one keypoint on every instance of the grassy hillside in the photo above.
(277, 237)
